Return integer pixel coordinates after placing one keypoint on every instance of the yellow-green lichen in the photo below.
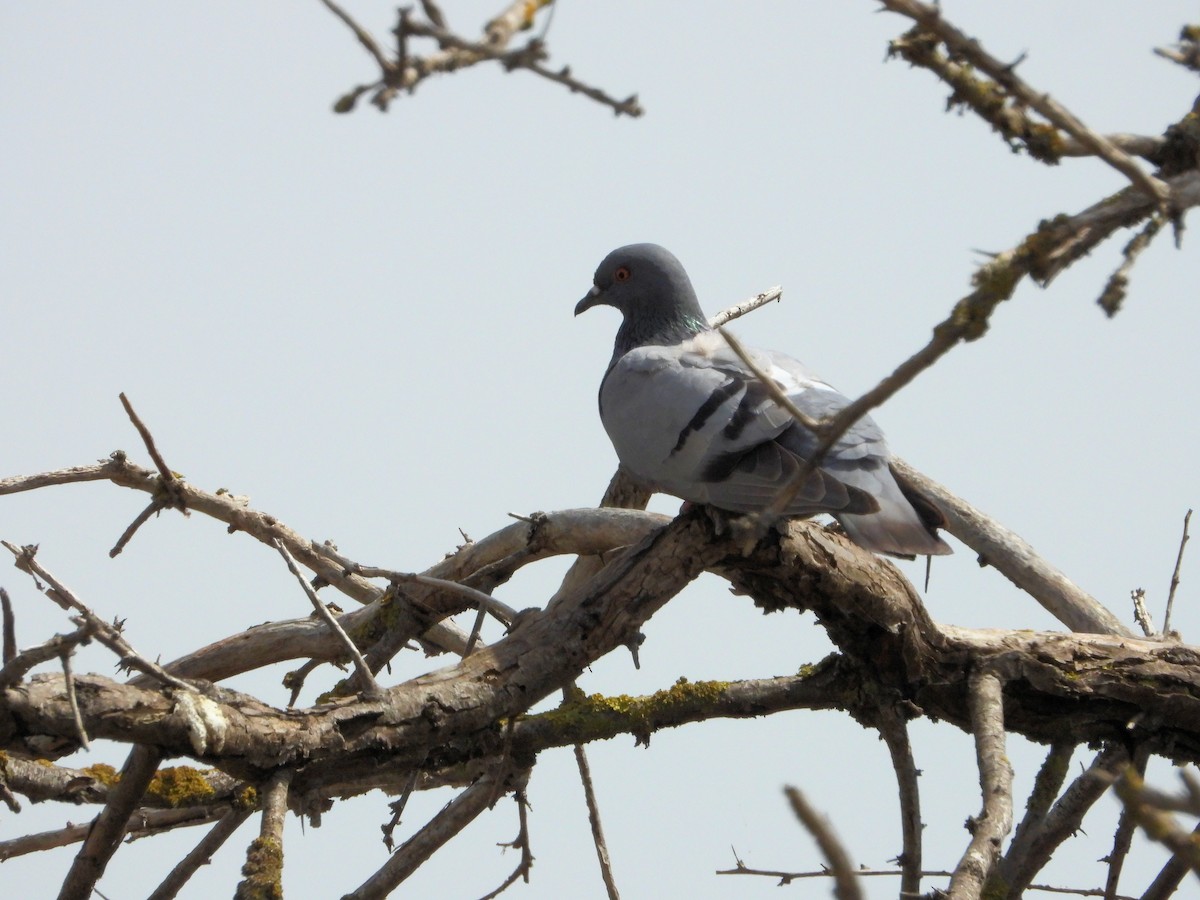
(179, 786)
(103, 773)
(263, 871)
(592, 717)
(996, 888)
(990, 99)
(247, 798)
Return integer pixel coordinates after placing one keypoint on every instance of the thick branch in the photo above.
(109, 827)
(1015, 559)
(995, 780)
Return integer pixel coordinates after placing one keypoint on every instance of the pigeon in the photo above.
(688, 417)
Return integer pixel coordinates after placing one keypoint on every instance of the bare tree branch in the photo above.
(1046, 785)
(1158, 825)
(520, 842)
(9, 624)
(593, 808)
(109, 635)
(109, 827)
(1175, 575)
(894, 730)
(929, 18)
(200, 855)
(264, 856)
(367, 681)
(995, 780)
(455, 53)
(1123, 836)
(1167, 882)
(1187, 51)
(457, 814)
(1014, 558)
(845, 883)
(143, 823)
(1062, 821)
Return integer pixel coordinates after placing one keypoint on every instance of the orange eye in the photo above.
(622, 273)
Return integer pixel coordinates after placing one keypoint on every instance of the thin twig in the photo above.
(10, 628)
(397, 808)
(433, 13)
(1123, 836)
(1115, 288)
(364, 37)
(1175, 575)
(148, 439)
(520, 842)
(8, 797)
(370, 687)
(109, 635)
(1187, 51)
(456, 53)
(21, 664)
(589, 793)
(153, 508)
(145, 823)
(786, 878)
(476, 629)
(480, 600)
(844, 875)
(73, 700)
(815, 425)
(167, 497)
(725, 316)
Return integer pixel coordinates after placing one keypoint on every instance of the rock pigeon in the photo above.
(689, 418)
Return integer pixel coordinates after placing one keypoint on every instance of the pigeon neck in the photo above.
(658, 333)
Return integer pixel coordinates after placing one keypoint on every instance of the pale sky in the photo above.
(364, 323)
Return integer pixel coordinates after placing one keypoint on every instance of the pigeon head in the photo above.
(653, 293)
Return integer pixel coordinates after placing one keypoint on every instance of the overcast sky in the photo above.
(364, 323)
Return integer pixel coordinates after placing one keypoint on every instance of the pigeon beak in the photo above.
(590, 299)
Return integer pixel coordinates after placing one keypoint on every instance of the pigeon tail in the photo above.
(895, 530)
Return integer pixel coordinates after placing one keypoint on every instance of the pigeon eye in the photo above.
(622, 273)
